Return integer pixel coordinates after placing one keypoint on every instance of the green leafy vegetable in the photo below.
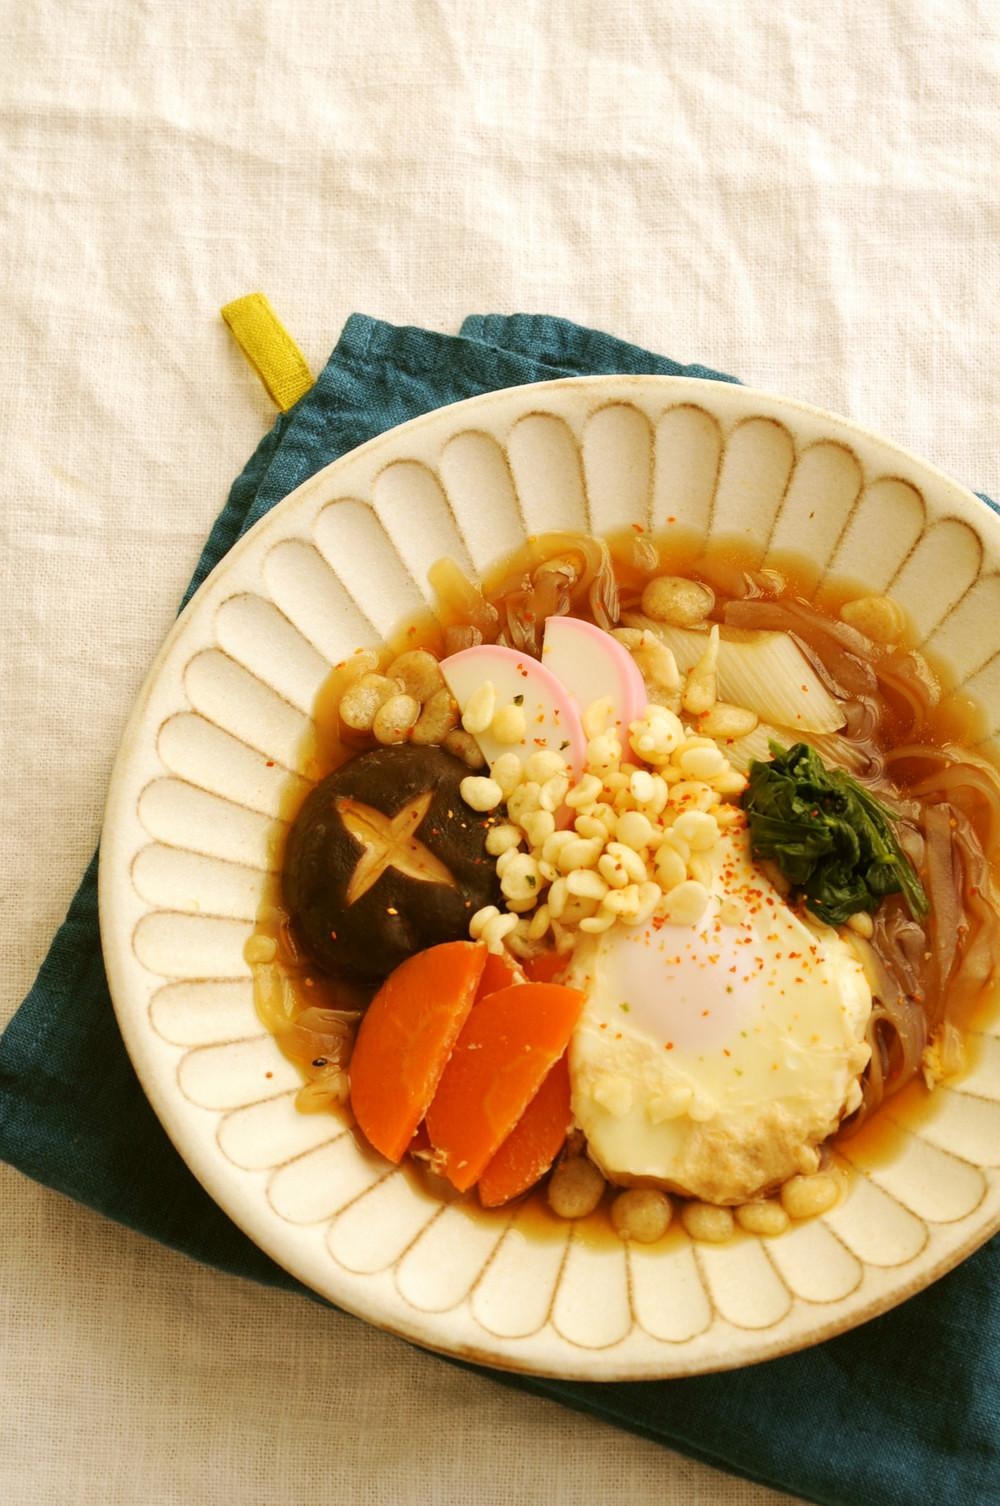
(830, 837)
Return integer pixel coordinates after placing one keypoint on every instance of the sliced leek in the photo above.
(836, 752)
(764, 671)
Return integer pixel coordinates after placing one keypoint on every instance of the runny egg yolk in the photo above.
(713, 1059)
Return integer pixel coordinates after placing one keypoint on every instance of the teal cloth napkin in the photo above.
(904, 1410)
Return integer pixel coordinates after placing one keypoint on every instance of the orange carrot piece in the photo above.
(501, 971)
(533, 1143)
(406, 1037)
(506, 1048)
(547, 967)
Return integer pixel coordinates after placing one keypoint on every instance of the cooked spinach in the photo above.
(831, 838)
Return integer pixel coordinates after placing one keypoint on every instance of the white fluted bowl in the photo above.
(190, 831)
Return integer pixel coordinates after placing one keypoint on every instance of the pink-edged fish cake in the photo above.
(591, 665)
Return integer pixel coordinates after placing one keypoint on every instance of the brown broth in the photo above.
(637, 556)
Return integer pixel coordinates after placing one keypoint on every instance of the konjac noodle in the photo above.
(926, 976)
(851, 814)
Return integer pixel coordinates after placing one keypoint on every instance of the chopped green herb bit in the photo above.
(564, 744)
(519, 700)
(832, 839)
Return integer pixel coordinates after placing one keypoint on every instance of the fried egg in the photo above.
(714, 1059)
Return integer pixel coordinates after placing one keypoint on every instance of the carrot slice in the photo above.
(506, 1048)
(533, 1143)
(406, 1037)
(501, 971)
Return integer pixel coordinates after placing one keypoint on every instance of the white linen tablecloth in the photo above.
(801, 192)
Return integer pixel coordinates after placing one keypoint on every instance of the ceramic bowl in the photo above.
(190, 837)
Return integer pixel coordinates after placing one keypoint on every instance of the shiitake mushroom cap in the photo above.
(426, 896)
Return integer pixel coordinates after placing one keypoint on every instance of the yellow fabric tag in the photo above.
(269, 348)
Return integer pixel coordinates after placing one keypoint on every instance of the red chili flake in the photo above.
(671, 520)
(726, 1051)
(638, 528)
(268, 1074)
(669, 1046)
(539, 742)
(270, 763)
(333, 935)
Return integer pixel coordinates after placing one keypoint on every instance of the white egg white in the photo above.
(713, 1059)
